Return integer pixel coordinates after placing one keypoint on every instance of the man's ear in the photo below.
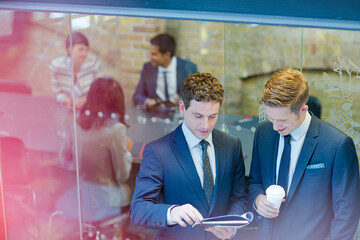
(303, 109)
(181, 107)
(168, 54)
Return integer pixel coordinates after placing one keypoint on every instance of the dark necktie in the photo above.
(284, 163)
(166, 86)
(208, 184)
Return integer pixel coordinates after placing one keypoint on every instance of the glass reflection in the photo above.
(74, 75)
(36, 126)
(33, 127)
(103, 155)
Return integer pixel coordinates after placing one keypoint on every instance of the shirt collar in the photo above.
(302, 129)
(190, 138)
(171, 67)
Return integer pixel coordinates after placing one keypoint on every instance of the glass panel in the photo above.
(332, 67)
(203, 43)
(121, 45)
(253, 53)
(33, 128)
(53, 161)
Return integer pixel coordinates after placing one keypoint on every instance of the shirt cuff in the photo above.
(168, 217)
(259, 217)
(255, 208)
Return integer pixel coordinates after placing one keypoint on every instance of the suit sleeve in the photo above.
(146, 209)
(238, 197)
(345, 192)
(140, 94)
(255, 185)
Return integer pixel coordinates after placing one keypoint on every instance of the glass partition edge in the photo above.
(185, 15)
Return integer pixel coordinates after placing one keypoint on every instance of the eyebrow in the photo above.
(196, 113)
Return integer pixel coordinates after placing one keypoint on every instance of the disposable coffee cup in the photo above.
(275, 194)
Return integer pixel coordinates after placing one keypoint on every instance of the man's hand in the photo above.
(176, 99)
(266, 208)
(185, 214)
(129, 144)
(150, 102)
(68, 103)
(222, 232)
(80, 102)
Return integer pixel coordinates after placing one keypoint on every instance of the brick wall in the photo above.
(235, 53)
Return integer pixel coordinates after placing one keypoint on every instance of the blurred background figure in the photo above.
(85, 69)
(104, 155)
(162, 76)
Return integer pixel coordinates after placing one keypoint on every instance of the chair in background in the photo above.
(314, 106)
(17, 194)
(14, 86)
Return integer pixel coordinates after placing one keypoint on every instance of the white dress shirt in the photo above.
(171, 80)
(196, 154)
(297, 141)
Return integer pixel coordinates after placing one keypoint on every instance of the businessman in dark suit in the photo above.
(161, 78)
(181, 181)
(315, 163)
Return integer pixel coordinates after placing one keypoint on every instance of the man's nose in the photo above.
(275, 125)
(206, 123)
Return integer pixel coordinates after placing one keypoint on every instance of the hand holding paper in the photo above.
(237, 221)
(185, 214)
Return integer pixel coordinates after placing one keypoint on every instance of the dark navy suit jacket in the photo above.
(146, 87)
(168, 177)
(323, 199)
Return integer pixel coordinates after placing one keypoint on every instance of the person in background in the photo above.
(192, 173)
(103, 153)
(313, 161)
(74, 72)
(161, 78)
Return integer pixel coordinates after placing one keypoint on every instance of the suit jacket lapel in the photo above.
(184, 158)
(305, 155)
(220, 162)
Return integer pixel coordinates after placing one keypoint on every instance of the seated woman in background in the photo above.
(78, 75)
(103, 153)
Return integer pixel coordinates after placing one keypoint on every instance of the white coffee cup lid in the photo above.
(275, 190)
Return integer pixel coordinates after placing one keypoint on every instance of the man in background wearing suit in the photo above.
(315, 163)
(192, 173)
(161, 78)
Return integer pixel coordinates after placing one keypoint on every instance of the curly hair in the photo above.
(202, 87)
(287, 88)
